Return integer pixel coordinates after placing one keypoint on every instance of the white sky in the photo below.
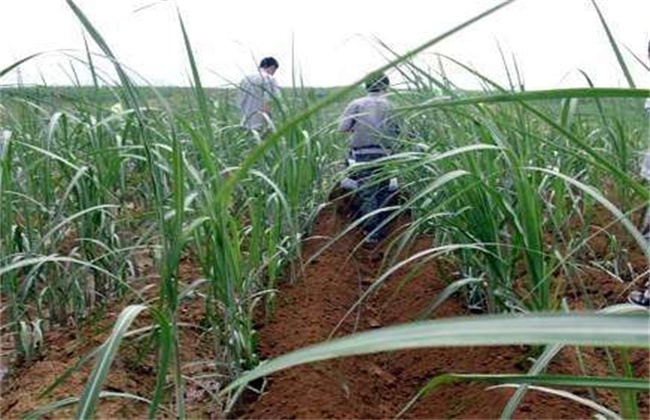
(332, 41)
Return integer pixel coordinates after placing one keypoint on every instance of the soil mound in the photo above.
(378, 386)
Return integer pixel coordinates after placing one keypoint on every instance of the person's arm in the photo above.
(275, 88)
(393, 125)
(645, 166)
(242, 91)
(391, 128)
(348, 120)
(271, 92)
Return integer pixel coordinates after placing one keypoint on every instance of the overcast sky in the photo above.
(333, 42)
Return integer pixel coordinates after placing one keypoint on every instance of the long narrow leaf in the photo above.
(511, 379)
(49, 408)
(260, 150)
(568, 395)
(592, 329)
(91, 393)
(612, 42)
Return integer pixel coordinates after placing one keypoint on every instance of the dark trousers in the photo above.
(372, 194)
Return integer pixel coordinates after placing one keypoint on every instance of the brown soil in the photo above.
(306, 312)
(133, 371)
(378, 386)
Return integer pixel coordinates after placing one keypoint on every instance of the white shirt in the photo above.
(5, 135)
(645, 164)
(255, 93)
(369, 119)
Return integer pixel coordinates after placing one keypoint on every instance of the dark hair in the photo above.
(269, 62)
(377, 82)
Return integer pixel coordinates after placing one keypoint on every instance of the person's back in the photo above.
(256, 91)
(370, 121)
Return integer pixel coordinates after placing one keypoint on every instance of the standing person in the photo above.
(373, 130)
(256, 91)
(642, 297)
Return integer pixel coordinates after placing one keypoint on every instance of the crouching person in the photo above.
(373, 129)
(645, 173)
(642, 297)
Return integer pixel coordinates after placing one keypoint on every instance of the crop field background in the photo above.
(158, 260)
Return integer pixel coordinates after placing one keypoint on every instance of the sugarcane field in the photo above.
(420, 240)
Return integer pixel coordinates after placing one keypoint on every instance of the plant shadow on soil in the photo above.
(306, 312)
